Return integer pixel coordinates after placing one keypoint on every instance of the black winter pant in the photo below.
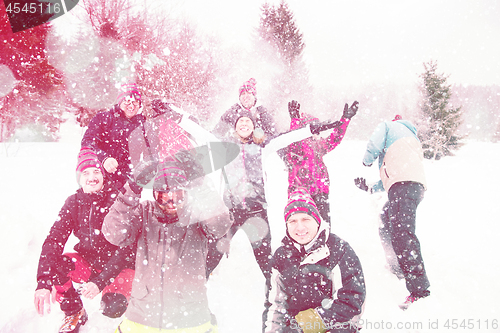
(398, 225)
(256, 225)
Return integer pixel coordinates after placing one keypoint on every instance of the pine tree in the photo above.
(281, 44)
(439, 121)
(278, 28)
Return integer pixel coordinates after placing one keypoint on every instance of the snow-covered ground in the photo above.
(457, 224)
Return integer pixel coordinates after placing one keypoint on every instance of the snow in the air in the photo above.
(457, 224)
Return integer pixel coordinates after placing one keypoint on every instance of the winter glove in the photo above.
(317, 128)
(361, 183)
(130, 193)
(144, 171)
(163, 108)
(293, 109)
(350, 112)
(310, 321)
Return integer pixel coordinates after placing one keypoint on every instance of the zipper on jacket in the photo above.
(244, 202)
(91, 232)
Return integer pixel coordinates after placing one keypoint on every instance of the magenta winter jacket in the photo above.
(305, 158)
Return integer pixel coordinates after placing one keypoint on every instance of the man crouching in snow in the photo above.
(302, 296)
(171, 233)
(97, 264)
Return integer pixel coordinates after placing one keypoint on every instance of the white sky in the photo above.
(352, 42)
(365, 41)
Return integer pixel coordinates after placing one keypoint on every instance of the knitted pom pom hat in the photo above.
(249, 86)
(128, 89)
(300, 201)
(87, 158)
(169, 177)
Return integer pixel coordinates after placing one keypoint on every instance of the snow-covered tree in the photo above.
(182, 69)
(32, 83)
(280, 43)
(166, 57)
(278, 28)
(439, 121)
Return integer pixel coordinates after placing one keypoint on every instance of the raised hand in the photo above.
(360, 182)
(350, 112)
(163, 108)
(294, 109)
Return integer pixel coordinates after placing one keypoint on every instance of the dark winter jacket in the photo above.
(260, 114)
(304, 159)
(169, 288)
(301, 281)
(108, 135)
(82, 215)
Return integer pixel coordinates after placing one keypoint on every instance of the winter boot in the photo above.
(412, 299)
(72, 323)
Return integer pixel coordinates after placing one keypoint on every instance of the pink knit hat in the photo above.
(249, 86)
(87, 158)
(128, 89)
(300, 201)
(169, 176)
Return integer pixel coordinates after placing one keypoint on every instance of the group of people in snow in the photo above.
(151, 260)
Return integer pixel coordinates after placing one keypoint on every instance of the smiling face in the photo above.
(170, 201)
(247, 99)
(244, 127)
(130, 106)
(302, 228)
(91, 180)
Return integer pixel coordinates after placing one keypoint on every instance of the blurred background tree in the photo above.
(32, 94)
(280, 43)
(439, 121)
(47, 77)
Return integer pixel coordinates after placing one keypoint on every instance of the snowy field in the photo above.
(457, 224)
